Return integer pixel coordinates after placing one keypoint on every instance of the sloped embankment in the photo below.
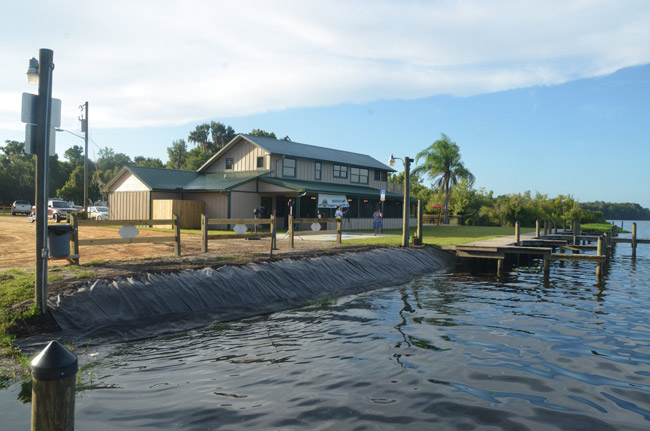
(154, 304)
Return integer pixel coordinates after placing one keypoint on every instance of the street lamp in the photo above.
(40, 72)
(407, 196)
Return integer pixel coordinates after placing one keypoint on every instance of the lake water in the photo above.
(445, 351)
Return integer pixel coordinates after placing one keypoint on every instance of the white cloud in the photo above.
(167, 62)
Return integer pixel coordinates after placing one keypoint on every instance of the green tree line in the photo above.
(66, 177)
(618, 211)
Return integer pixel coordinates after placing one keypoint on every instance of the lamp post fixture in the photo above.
(407, 196)
(40, 72)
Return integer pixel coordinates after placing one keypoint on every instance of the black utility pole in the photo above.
(85, 130)
(43, 126)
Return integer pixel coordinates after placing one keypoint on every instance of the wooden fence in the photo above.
(75, 222)
(205, 237)
(293, 221)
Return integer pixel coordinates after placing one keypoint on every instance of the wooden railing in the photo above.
(205, 237)
(75, 222)
(292, 222)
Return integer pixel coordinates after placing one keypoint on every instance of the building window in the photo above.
(340, 171)
(359, 175)
(260, 162)
(289, 168)
(318, 169)
(229, 164)
(381, 175)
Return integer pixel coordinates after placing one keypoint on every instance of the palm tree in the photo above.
(442, 164)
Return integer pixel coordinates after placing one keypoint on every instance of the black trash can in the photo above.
(58, 239)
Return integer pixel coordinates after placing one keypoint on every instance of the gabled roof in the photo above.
(157, 178)
(303, 151)
(161, 179)
(320, 187)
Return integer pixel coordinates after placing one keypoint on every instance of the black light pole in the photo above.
(407, 197)
(43, 68)
(84, 126)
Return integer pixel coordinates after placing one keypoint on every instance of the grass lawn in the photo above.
(600, 227)
(442, 235)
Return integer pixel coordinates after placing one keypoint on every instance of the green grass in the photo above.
(441, 235)
(600, 227)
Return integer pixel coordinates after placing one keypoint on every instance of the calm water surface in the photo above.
(450, 351)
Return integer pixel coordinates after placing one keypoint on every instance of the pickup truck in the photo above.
(21, 207)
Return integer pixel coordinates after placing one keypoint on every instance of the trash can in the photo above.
(58, 239)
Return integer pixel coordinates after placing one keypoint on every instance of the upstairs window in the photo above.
(229, 164)
(340, 171)
(359, 175)
(381, 175)
(318, 170)
(289, 168)
(260, 162)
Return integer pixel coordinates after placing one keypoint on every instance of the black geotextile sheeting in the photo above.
(154, 304)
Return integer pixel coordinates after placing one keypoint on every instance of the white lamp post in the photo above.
(407, 196)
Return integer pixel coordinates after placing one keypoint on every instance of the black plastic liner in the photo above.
(129, 308)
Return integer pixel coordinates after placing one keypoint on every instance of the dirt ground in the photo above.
(18, 249)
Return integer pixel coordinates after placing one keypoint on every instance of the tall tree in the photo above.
(221, 134)
(177, 154)
(441, 163)
(201, 137)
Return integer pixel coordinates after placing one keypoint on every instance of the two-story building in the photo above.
(255, 172)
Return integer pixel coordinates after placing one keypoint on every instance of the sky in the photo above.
(549, 96)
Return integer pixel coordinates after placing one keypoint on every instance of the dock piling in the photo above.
(54, 373)
(599, 265)
(517, 233)
(536, 229)
(634, 239)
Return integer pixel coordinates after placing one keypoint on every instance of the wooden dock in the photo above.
(544, 246)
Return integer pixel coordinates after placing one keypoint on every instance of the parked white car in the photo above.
(21, 207)
(99, 213)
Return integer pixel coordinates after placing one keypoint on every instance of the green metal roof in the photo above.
(158, 178)
(223, 180)
(318, 187)
(304, 151)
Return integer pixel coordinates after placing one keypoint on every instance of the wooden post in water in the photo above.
(291, 231)
(517, 232)
(204, 234)
(574, 230)
(547, 266)
(53, 388)
(545, 227)
(599, 265)
(634, 239)
(536, 229)
(500, 268)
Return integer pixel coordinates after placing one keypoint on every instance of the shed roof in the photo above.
(223, 180)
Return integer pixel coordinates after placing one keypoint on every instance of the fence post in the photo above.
(53, 388)
(177, 235)
(536, 229)
(291, 230)
(272, 229)
(339, 226)
(274, 236)
(634, 239)
(75, 237)
(204, 234)
(517, 232)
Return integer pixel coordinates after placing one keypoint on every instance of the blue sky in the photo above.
(552, 96)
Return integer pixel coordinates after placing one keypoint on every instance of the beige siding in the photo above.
(242, 204)
(216, 204)
(129, 183)
(244, 157)
(189, 212)
(129, 205)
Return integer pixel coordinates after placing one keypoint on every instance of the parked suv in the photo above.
(21, 207)
(58, 210)
(99, 213)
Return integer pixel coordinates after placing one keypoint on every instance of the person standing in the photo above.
(378, 221)
(339, 212)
